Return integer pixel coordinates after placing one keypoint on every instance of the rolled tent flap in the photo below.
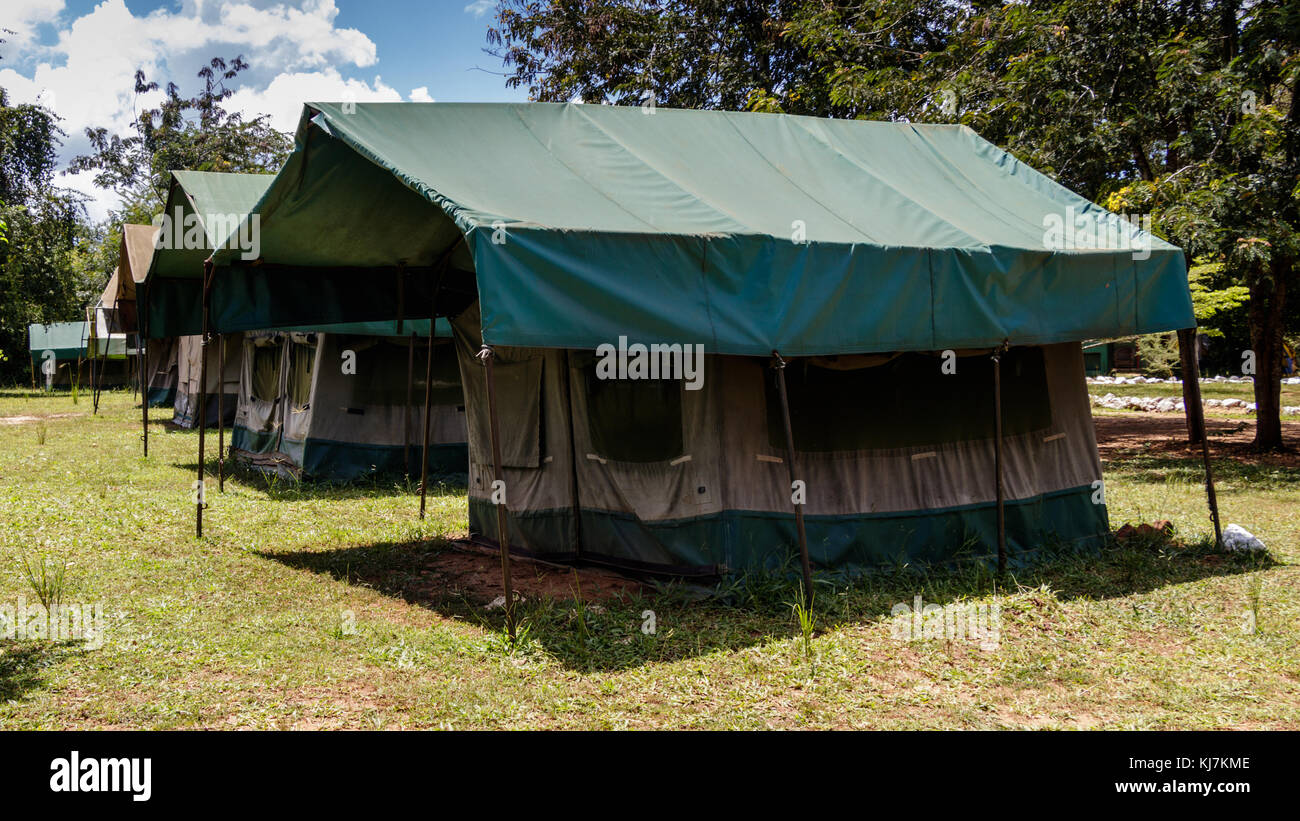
(743, 232)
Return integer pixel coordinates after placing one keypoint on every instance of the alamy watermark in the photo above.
(654, 361)
(180, 231)
(1098, 230)
(969, 621)
(60, 622)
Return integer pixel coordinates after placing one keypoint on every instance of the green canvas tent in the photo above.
(56, 351)
(870, 256)
(342, 402)
(201, 211)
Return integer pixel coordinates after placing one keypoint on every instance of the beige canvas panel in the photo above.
(916, 478)
(338, 415)
(548, 485)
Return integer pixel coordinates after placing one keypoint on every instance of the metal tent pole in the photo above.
(778, 364)
(428, 387)
(997, 458)
(144, 394)
(410, 397)
(221, 413)
(1195, 414)
(503, 533)
(203, 397)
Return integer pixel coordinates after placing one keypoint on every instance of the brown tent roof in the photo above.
(136, 254)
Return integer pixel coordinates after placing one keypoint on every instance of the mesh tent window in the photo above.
(634, 420)
(302, 359)
(380, 379)
(908, 402)
(267, 358)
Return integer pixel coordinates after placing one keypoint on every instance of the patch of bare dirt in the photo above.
(24, 419)
(1165, 434)
(475, 570)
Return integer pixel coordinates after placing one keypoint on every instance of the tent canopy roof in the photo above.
(744, 232)
(134, 257)
(203, 209)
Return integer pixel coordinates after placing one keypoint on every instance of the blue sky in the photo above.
(77, 57)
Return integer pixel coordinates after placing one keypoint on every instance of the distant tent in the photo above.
(223, 386)
(56, 350)
(886, 263)
(160, 367)
(335, 405)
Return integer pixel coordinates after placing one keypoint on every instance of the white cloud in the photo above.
(480, 7)
(85, 74)
(284, 97)
(22, 17)
(420, 95)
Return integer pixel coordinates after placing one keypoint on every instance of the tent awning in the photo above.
(744, 232)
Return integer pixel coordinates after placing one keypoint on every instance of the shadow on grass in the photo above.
(611, 633)
(1160, 469)
(281, 488)
(23, 664)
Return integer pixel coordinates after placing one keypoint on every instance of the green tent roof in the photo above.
(66, 339)
(204, 209)
(745, 232)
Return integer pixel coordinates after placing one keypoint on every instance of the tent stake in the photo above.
(997, 458)
(428, 387)
(503, 533)
(410, 397)
(1195, 414)
(778, 364)
(203, 397)
(221, 413)
(144, 395)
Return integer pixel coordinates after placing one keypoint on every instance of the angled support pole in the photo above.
(778, 364)
(1195, 414)
(503, 533)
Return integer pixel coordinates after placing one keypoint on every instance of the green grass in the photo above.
(309, 607)
(1209, 390)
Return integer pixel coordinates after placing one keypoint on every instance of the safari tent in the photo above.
(201, 207)
(890, 286)
(343, 402)
(159, 356)
(63, 346)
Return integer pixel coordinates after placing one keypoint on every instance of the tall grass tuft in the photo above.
(47, 580)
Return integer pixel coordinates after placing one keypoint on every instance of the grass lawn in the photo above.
(306, 607)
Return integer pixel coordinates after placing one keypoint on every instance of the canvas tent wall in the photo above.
(334, 404)
(223, 386)
(550, 230)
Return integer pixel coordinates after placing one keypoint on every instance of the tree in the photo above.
(42, 273)
(182, 133)
(1179, 109)
(686, 53)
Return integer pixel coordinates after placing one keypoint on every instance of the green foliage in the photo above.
(192, 133)
(1159, 354)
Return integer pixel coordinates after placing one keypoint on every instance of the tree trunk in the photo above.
(1267, 298)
